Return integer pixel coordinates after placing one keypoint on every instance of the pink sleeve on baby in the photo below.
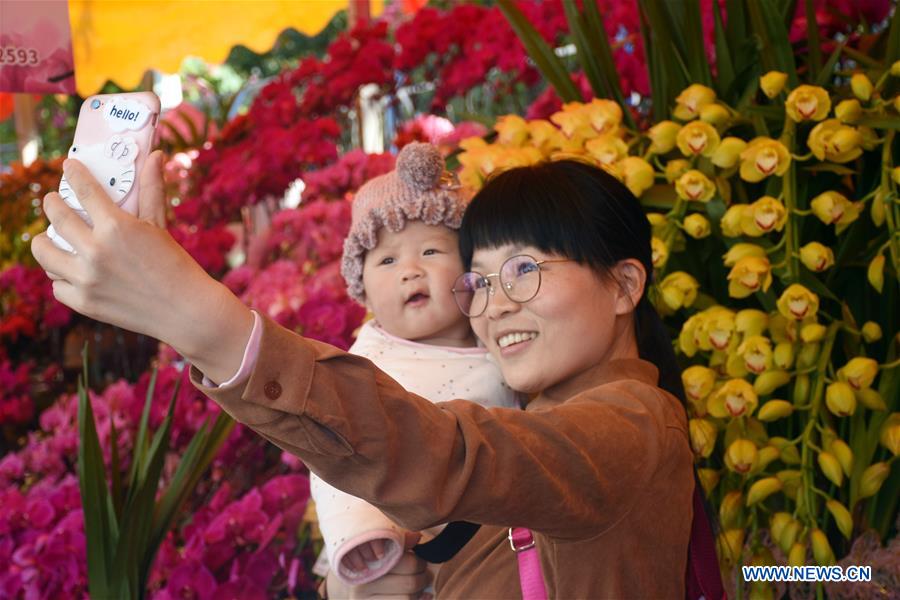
(251, 353)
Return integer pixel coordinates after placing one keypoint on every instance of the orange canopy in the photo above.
(119, 40)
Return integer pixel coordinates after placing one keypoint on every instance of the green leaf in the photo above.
(892, 51)
(140, 444)
(827, 70)
(598, 45)
(724, 64)
(812, 40)
(815, 285)
(881, 122)
(775, 48)
(115, 470)
(92, 482)
(829, 168)
(695, 48)
(553, 70)
(589, 61)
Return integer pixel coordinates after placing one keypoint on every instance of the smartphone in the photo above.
(113, 138)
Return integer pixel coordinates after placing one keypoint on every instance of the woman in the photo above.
(598, 466)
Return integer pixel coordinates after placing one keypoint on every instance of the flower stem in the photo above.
(806, 452)
(789, 190)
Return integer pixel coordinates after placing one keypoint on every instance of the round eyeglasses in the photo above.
(520, 280)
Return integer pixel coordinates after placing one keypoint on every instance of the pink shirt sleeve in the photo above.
(251, 352)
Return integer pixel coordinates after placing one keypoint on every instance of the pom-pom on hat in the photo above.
(418, 189)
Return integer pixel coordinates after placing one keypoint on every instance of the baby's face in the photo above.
(407, 279)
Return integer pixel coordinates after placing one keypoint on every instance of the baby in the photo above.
(400, 260)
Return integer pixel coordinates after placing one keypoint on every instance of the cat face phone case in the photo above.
(113, 138)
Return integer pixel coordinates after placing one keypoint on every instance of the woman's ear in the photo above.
(632, 278)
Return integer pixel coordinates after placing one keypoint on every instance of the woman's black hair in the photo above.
(579, 211)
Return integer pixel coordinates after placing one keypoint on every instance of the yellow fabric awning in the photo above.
(119, 40)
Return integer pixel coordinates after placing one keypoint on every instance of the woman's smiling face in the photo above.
(570, 326)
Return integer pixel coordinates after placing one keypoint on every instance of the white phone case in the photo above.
(113, 138)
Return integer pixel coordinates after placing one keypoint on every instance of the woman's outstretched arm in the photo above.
(129, 272)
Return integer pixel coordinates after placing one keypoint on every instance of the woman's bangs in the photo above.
(521, 207)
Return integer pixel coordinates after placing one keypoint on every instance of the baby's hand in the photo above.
(358, 558)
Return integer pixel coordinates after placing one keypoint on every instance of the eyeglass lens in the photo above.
(520, 279)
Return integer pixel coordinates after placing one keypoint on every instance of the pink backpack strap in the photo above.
(703, 578)
(530, 576)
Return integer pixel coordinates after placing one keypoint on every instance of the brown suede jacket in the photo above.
(599, 466)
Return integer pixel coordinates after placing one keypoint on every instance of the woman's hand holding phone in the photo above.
(128, 271)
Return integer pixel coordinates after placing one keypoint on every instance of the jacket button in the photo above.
(272, 390)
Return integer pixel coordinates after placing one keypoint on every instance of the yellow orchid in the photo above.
(512, 130)
(708, 479)
(816, 257)
(813, 332)
(748, 275)
(859, 372)
(728, 152)
(697, 138)
(762, 157)
(662, 136)
(742, 250)
(774, 410)
(691, 100)
(734, 399)
(698, 381)
(545, 136)
(607, 149)
(733, 220)
(750, 321)
(703, 436)
(603, 115)
(741, 456)
(675, 168)
(688, 337)
(694, 185)
(875, 272)
(831, 468)
(870, 398)
(822, 551)
(658, 223)
(839, 399)
(872, 479)
(862, 87)
(783, 355)
(848, 111)
(717, 329)
(637, 174)
(833, 208)
(871, 332)
(659, 252)
(798, 303)
(772, 83)
(808, 103)
(768, 215)
(714, 114)
(697, 226)
(890, 434)
(679, 290)
(834, 141)
(756, 352)
(573, 121)
(782, 329)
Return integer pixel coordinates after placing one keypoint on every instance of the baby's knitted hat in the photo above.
(417, 189)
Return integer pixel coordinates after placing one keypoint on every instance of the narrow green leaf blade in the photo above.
(540, 52)
(776, 51)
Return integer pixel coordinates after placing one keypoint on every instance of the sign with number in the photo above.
(36, 47)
